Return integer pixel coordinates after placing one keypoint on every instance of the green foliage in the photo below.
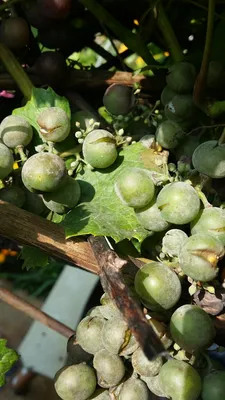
(100, 212)
(33, 257)
(8, 358)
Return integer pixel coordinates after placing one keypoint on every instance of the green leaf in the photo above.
(100, 212)
(41, 99)
(33, 257)
(8, 358)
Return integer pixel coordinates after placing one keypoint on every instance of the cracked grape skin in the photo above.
(209, 159)
(199, 256)
(15, 131)
(158, 286)
(210, 220)
(134, 187)
(178, 202)
(54, 124)
(192, 328)
(99, 149)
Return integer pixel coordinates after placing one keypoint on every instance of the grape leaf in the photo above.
(33, 257)
(41, 99)
(100, 212)
(8, 358)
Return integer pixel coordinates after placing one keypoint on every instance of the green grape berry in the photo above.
(169, 134)
(54, 124)
(214, 386)
(83, 118)
(43, 172)
(187, 147)
(167, 95)
(110, 368)
(181, 77)
(210, 220)
(6, 161)
(173, 241)
(143, 366)
(134, 389)
(158, 286)
(209, 159)
(178, 202)
(151, 218)
(75, 353)
(134, 187)
(118, 99)
(153, 384)
(192, 328)
(199, 256)
(180, 381)
(15, 131)
(34, 203)
(65, 198)
(182, 110)
(99, 149)
(75, 382)
(13, 194)
(89, 334)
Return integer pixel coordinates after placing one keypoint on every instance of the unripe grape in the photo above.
(147, 140)
(173, 241)
(199, 256)
(110, 368)
(181, 77)
(153, 384)
(192, 328)
(65, 198)
(187, 147)
(6, 161)
(43, 172)
(134, 187)
(134, 389)
(180, 381)
(89, 334)
(158, 286)
(76, 354)
(169, 134)
(178, 202)
(118, 99)
(75, 382)
(210, 220)
(84, 118)
(15, 131)
(143, 366)
(54, 124)
(209, 159)
(34, 203)
(167, 95)
(99, 148)
(14, 32)
(214, 386)
(151, 218)
(13, 194)
(181, 109)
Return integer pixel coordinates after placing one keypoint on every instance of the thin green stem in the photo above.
(202, 77)
(168, 34)
(16, 71)
(131, 40)
(222, 137)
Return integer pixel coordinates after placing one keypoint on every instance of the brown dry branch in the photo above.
(22, 305)
(113, 283)
(95, 79)
(29, 229)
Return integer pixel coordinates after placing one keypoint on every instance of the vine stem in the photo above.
(168, 34)
(16, 71)
(33, 312)
(202, 77)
